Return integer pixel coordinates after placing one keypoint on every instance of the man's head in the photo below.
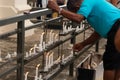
(73, 5)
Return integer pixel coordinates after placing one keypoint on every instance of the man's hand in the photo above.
(53, 5)
(77, 47)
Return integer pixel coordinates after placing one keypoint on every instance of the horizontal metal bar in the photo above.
(10, 33)
(8, 71)
(22, 17)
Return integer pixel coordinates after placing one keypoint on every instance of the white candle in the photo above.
(27, 55)
(14, 54)
(64, 29)
(37, 70)
(47, 61)
(35, 5)
(43, 46)
(0, 56)
(8, 56)
(50, 37)
(36, 78)
(56, 37)
(40, 77)
(30, 51)
(40, 47)
(26, 75)
(52, 58)
(41, 38)
(44, 3)
(63, 56)
(70, 27)
(34, 50)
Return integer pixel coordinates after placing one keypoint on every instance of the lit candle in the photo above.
(37, 70)
(26, 75)
(30, 52)
(47, 61)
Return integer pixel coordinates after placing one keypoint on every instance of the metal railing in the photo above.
(20, 31)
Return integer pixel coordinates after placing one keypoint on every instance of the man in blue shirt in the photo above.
(105, 19)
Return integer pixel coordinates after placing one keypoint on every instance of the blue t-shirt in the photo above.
(100, 14)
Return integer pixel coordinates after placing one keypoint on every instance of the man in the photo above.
(105, 19)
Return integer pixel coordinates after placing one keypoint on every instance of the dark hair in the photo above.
(71, 4)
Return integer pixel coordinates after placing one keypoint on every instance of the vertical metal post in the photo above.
(71, 67)
(20, 50)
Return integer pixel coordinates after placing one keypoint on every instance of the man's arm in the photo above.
(70, 15)
(95, 36)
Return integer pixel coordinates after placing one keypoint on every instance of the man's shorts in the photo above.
(111, 57)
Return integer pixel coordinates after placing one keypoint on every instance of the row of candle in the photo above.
(81, 27)
(37, 75)
(78, 28)
(48, 64)
(42, 45)
(8, 56)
